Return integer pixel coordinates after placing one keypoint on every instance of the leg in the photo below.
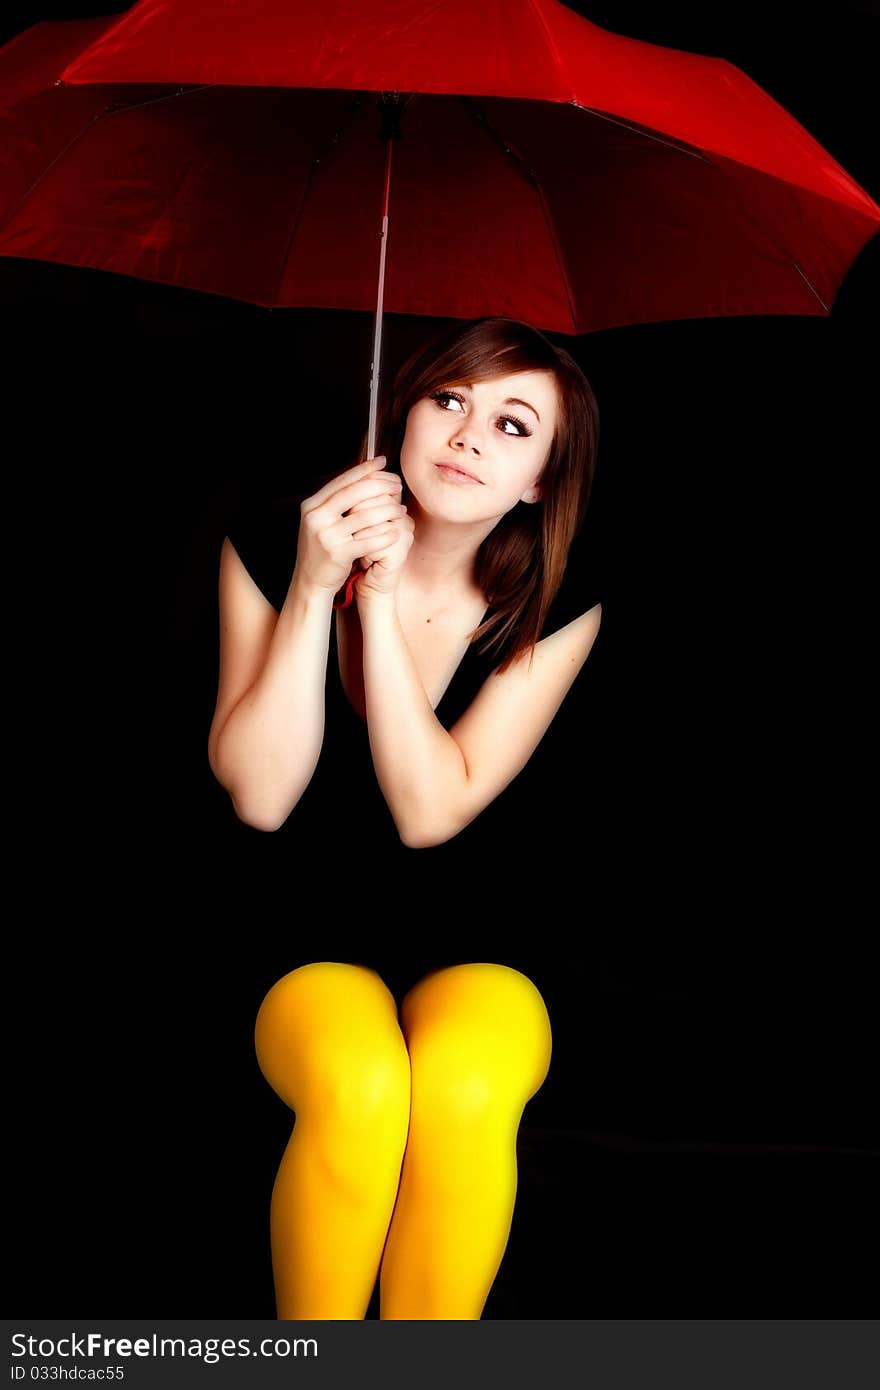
(328, 1041)
(479, 1043)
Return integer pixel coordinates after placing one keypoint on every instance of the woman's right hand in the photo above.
(329, 541)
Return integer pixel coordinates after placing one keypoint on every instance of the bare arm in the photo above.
(419, 768)
(267, 748)
(268, 724)
(436, 782)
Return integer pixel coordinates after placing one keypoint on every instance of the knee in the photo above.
(479, 1038)
(328, 1042)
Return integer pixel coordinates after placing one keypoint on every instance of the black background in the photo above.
(699, 924)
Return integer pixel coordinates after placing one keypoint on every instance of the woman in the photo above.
(491, 436)
(444, 564)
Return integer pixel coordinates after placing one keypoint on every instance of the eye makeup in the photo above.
(439, 396)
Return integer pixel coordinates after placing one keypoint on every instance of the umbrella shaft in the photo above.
(380, 300)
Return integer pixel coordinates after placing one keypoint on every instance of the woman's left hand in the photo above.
(384, 565)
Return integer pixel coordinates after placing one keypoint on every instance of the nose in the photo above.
(467, 438)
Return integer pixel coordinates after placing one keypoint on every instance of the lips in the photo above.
(455, 469)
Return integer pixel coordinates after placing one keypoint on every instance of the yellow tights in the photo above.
(403, 1152)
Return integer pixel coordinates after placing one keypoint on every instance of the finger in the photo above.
(380, 545)
(372, 541)
(393, 530)
(351, 475)
(369, 489)
(346, 528)
(371, 516)
(392, 487)
(381, 528)
(378, 485)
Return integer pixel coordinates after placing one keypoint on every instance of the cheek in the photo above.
(409, 453)
(419, 424)
(415, 440)
(534, 464)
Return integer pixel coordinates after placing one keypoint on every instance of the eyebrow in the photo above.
(514, 400)
(511, 400)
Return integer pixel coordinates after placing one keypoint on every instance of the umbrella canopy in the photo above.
(546, 170)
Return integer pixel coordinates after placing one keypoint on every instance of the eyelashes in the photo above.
(439, 396)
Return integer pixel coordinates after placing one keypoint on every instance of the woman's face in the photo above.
(499, 431)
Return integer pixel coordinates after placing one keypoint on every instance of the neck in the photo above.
(442, 557)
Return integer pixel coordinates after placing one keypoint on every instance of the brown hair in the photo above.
(520, 564)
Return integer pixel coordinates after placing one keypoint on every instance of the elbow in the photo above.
(433, 825)
(255, 820)
(413, 840)
(258, 817)
(247, 816)
(415, 835)
(266, 826)
(426, 836)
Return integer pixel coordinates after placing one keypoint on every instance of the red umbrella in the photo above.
(545, 169)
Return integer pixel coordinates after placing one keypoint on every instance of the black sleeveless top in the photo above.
(341, 829)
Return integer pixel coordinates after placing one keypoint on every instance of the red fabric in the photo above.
(349, 589)
(651, 184)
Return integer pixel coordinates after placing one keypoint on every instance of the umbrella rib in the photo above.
(557, 251)
(770, 234)
(7, 218)
(152, 101)
(351, 112)
(698, 154)
(811, 286)
(99, 115)
(648, 134)
(531, 177)
(122, 105)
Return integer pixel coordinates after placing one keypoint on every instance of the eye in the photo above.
(439, 396)
(442, 396)
(515, 421)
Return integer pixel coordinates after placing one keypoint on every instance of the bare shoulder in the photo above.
(537, 678)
